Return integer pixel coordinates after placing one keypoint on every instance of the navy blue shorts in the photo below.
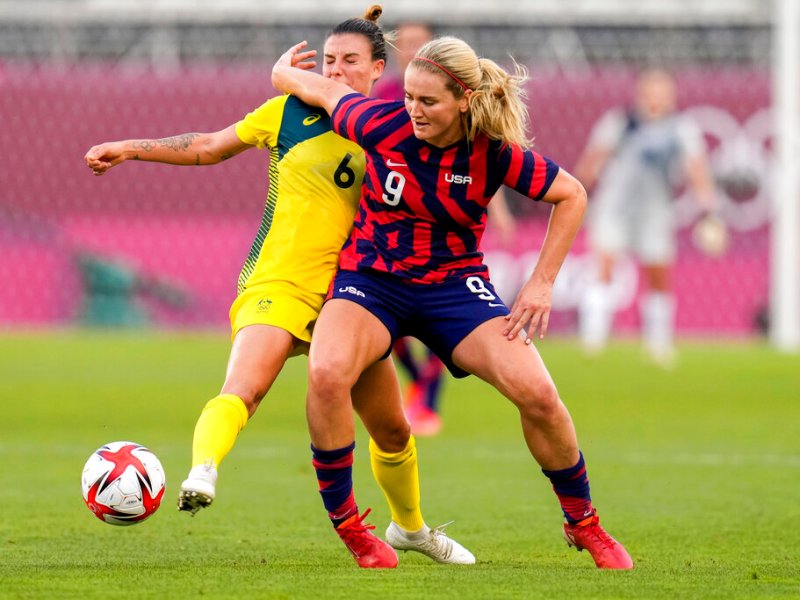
(440, 315)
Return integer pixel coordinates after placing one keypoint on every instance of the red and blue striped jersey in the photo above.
(423, 209)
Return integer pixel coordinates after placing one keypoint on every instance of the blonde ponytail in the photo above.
(497, 106)
(496, 97)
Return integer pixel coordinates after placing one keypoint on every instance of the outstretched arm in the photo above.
(701, 181)
(292, 76)
(183, 149)
(591, 163)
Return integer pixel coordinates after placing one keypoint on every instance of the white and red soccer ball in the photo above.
(123, 483)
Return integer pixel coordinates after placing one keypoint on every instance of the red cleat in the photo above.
(369, 551)
(607, 552)
(414, 395)
(424, 422)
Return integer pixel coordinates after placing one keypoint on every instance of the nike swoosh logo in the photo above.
(495, 304)
(391, 163)
(311, 119)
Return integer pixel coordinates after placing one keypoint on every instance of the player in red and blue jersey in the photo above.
(413, 265)
(434, 234)
(426, 371)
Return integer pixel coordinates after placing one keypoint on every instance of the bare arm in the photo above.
(292, 76)
(702, 183)
(183, 149)
(591, 163)
(533, 303)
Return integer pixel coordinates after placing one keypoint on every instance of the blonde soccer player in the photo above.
(413, 265)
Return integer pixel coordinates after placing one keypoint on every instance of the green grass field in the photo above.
(695, 470)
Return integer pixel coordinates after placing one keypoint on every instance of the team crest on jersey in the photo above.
(311, 119)
(457, 179)
(264, 305)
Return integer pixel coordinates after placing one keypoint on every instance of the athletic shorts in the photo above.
(440, 315)
(277, 304)
(646, 229)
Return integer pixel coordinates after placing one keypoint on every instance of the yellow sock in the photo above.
(217, 428)
(398, 475)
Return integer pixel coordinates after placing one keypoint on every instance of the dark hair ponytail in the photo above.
(369, 28)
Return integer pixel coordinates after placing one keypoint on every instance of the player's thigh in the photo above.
(515, 368)
(257, 356)
(347, 339)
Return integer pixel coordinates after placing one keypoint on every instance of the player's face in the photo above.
(655, 95)
(410, 38)
(435, 112)
(348, 59)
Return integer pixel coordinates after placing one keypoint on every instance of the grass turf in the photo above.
(695, 470)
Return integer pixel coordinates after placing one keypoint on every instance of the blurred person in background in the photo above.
(112, 289)
(315, 180)
(634, 158)
(405, 40)
(413, 265)
(424, 369)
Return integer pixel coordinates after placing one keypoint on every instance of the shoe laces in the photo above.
(354, 533)
(593, 528)
(439, 529)
(439, 540)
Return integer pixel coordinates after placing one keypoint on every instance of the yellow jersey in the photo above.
(314, 187)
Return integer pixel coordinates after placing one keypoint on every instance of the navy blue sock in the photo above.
(572, 488)
(335, 476)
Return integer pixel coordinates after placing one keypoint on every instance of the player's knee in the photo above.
(249, 392)
(541, 402)
(326, 376)
(392, 437)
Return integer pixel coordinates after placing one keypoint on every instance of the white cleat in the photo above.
(433, 543)
(199, 488)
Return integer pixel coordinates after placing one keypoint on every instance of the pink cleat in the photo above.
(607, 552)
(369, 551)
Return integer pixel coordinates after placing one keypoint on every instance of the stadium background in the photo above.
(154, 244)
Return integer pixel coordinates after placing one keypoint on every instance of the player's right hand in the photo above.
(102, 157)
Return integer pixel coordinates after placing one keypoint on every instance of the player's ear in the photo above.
(377, 68)
(463, 103)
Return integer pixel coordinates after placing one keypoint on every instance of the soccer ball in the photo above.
(123, 483)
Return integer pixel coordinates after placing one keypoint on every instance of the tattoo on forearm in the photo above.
(178, 142)
(197, 160)
(146, 145)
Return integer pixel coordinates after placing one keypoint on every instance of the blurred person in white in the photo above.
(635, 157)
(314, 188)
(424, 369)
(409, 37)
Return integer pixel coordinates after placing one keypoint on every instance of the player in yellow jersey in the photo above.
(315, 180)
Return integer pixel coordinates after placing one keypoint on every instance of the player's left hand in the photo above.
(294, 57)
(530, 311)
